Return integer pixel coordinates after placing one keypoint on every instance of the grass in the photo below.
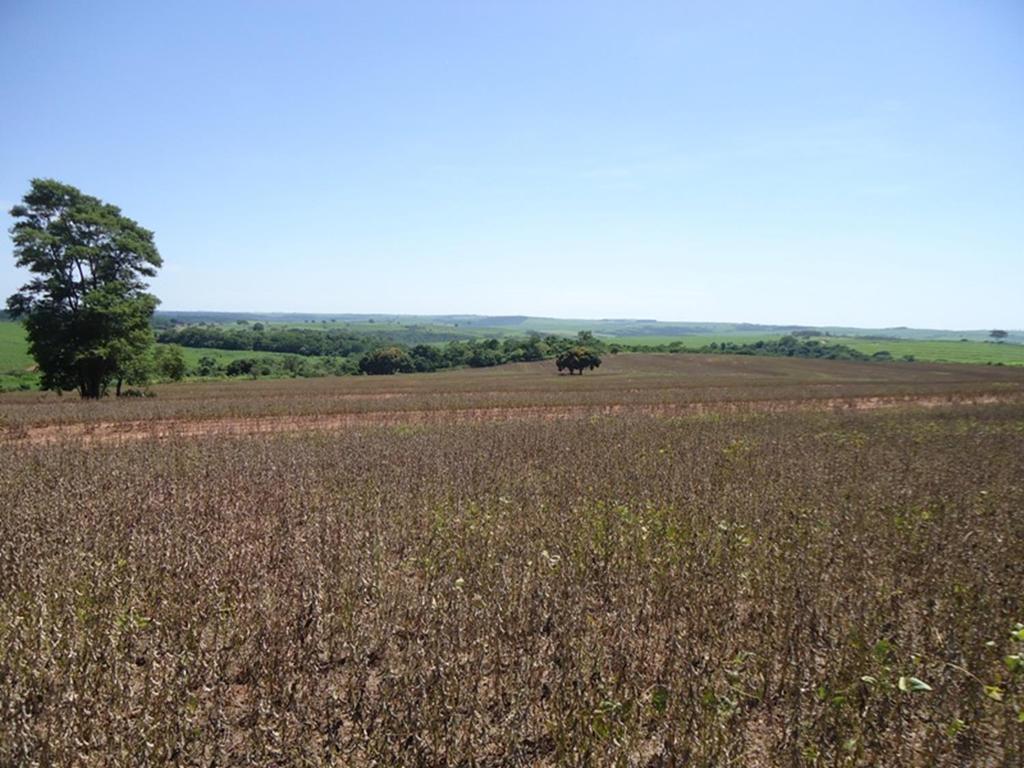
(624, 587)
(943, 351)
(385, 326)
(692, 342)
(15, 361)
(224, 356)
(14, 354)
(980, 352)
(976, 352)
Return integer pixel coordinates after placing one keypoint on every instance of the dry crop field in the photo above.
(672, 561)
(653, 384)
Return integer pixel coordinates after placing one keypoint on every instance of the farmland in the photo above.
(15, 362)
(925, 350)
(941, 351)
(673, 560)
(651, 383)
(306, 355)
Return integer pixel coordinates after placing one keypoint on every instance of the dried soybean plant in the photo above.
(798, 588)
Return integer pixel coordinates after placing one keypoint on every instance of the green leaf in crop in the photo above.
(994, 692)
(882, 650)
(913, 685)
(659, 698)
(955, 727)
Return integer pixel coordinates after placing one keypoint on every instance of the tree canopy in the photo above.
(86, 310)
(577, 359)
(386, 360)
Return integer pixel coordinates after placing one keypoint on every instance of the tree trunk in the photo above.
(90, 388)
(90, 381)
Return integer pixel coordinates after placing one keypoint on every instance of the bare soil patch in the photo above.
(107, 431)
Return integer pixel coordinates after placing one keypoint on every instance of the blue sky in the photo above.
(855, 163)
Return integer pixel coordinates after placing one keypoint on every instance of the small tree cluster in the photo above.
(577, 359)
(386, 360)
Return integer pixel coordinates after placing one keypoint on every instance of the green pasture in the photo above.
(14, 354)
(934, 351)
(223, 356)
(375, 326)
(15, 362)
(981, 352)
(689, 341)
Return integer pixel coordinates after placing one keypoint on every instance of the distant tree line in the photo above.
(383, 356)
(389, 358)
(311, 342)
(277, 366)
(484, 353)
(791, 346)
(258, 338)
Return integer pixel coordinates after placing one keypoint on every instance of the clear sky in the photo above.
(825, 162)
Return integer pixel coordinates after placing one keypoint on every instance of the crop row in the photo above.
(626, 380)
(784, 589)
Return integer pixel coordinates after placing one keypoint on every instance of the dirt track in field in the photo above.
(115, 431)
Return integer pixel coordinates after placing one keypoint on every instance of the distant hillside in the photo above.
(475, 326)
(503, 325)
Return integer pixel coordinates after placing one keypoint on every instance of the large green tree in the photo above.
(387, 360)
(577, 359)
(86, 309)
